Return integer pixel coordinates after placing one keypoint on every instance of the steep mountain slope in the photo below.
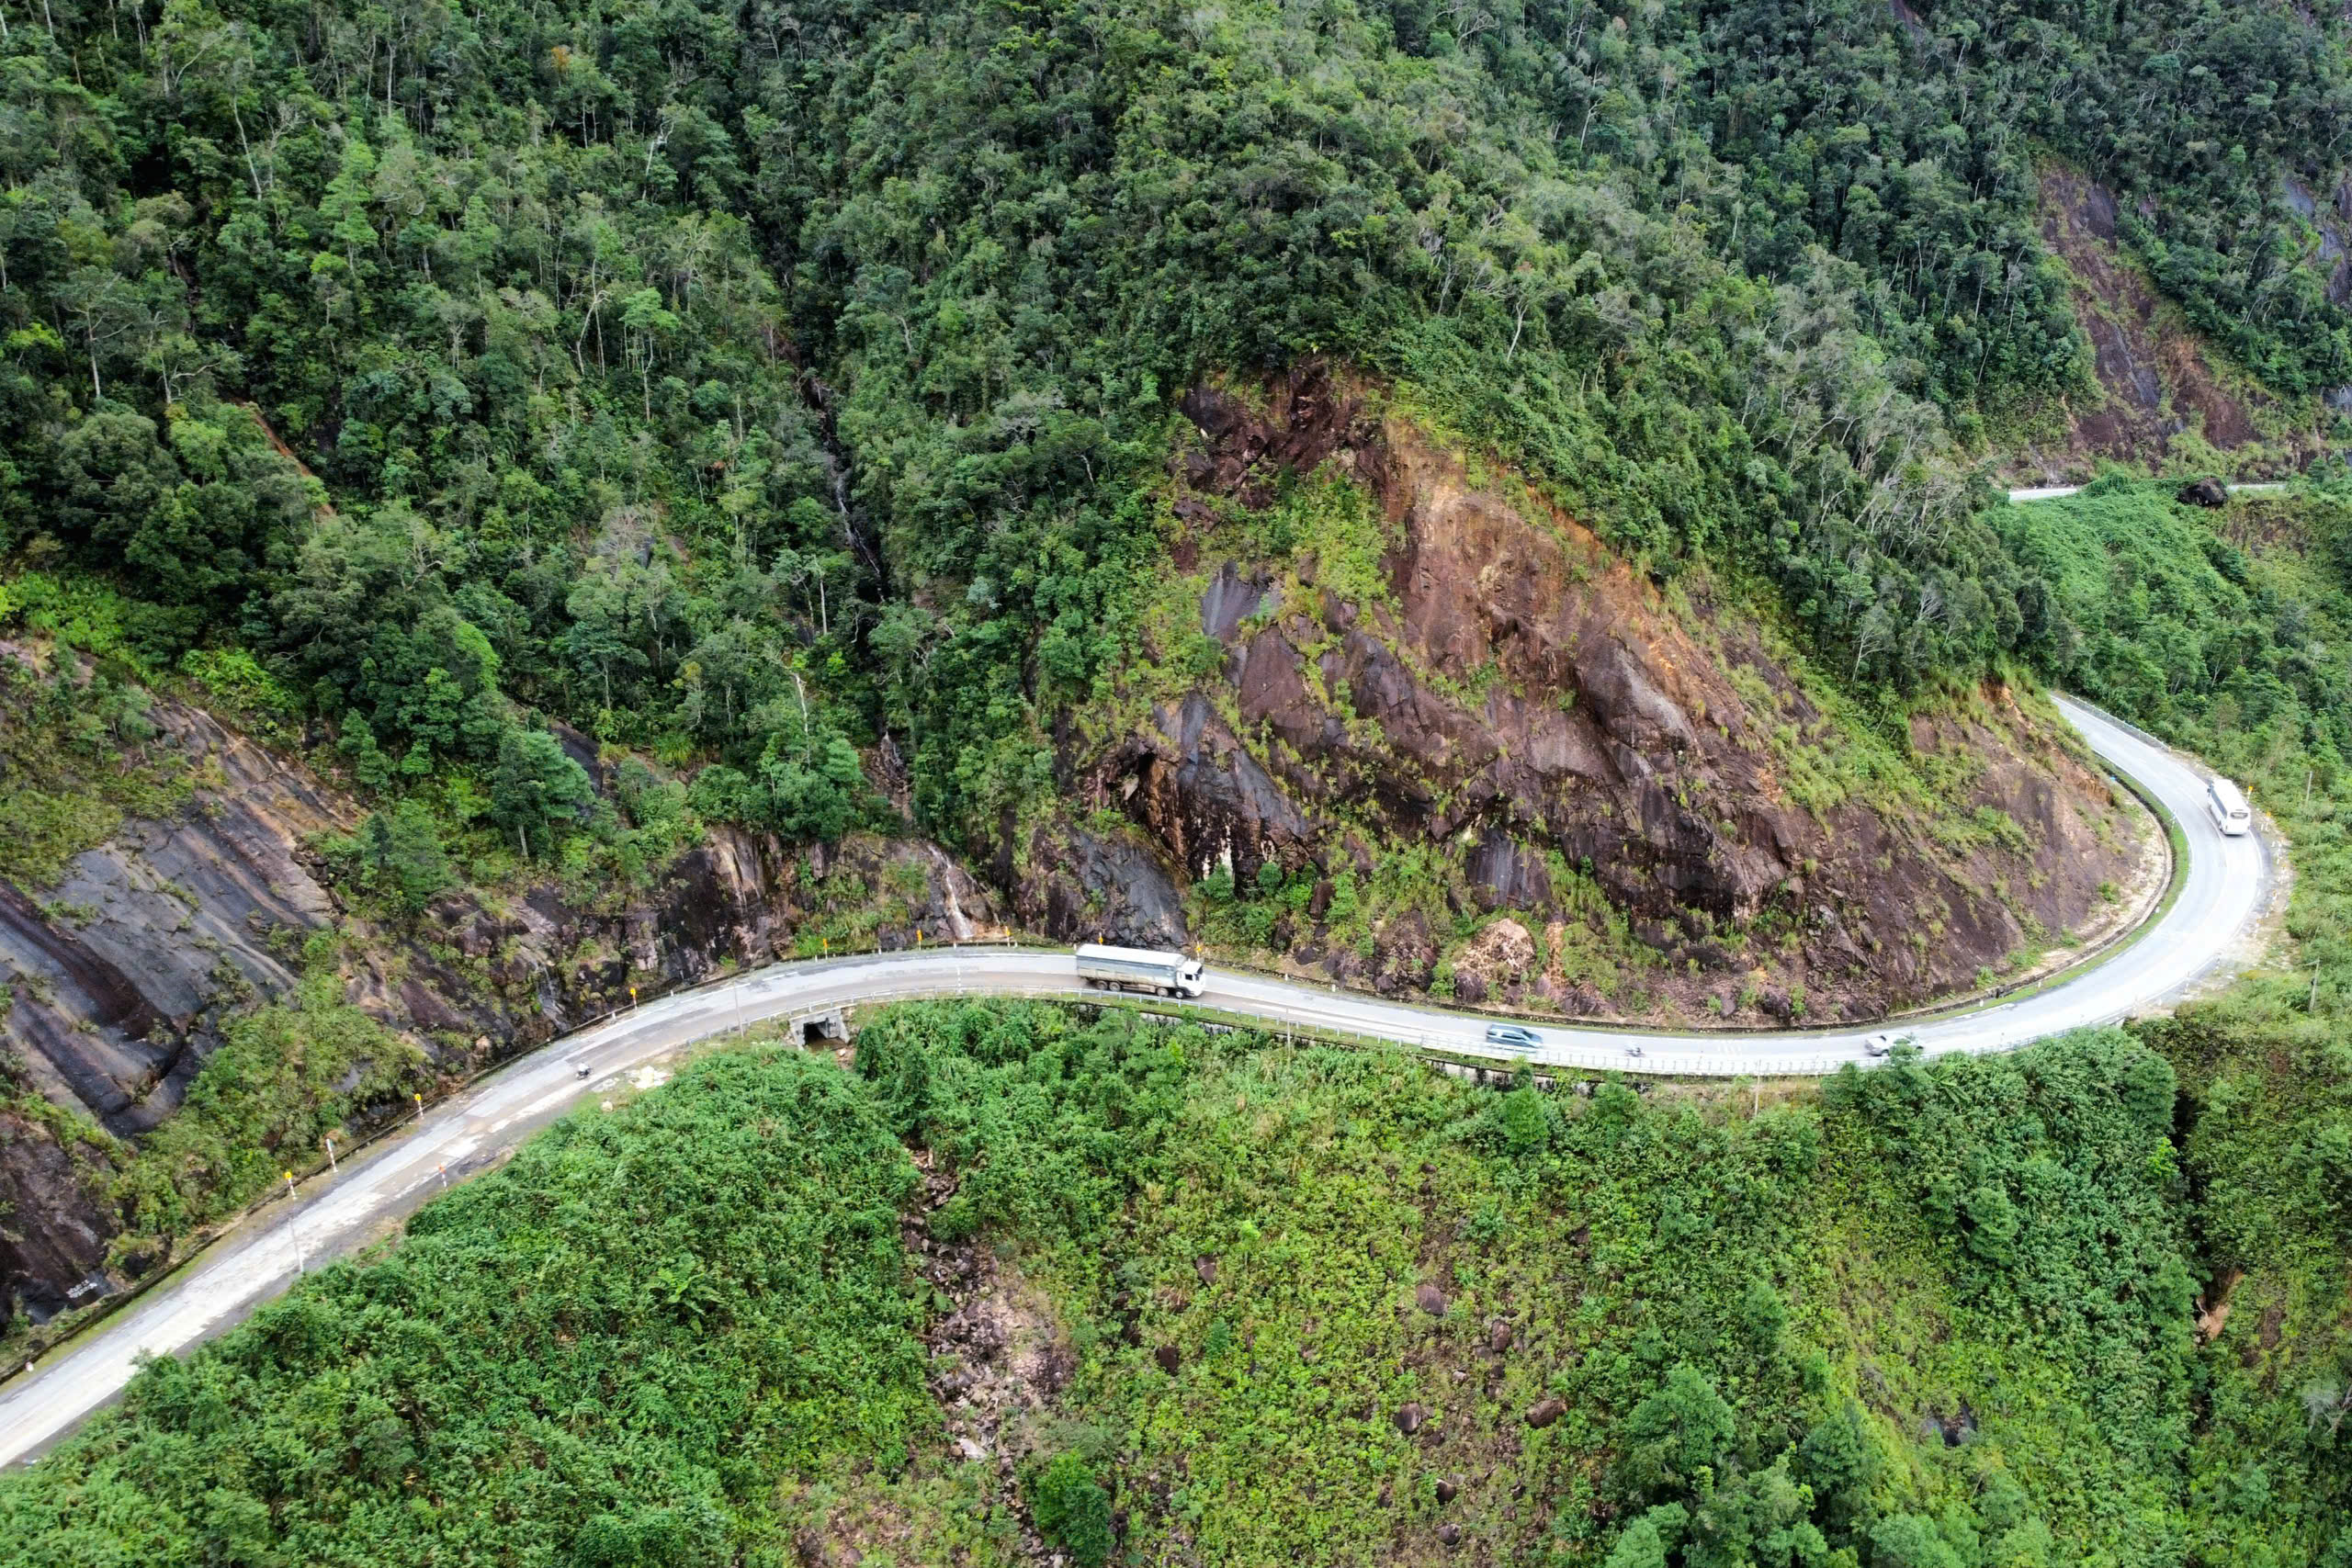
(1385, 684)
(1023, 1284)
(587, 493)
(172, 937)
(2230, 630)
(2161, 395)
(1443, 739)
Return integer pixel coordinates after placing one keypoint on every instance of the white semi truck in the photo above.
(1139, 969)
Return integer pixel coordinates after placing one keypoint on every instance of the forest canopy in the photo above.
(770, 406)
(748, 385)
(698, 1328)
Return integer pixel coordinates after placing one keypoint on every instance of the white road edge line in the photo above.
(2222, 893)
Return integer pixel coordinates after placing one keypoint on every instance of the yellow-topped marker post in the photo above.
(301, 1258)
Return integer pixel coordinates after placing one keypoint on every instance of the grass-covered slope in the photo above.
(2228, 632)
(615, 1346)
(1293, 1305)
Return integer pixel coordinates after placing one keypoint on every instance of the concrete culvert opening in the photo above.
(824, 1028)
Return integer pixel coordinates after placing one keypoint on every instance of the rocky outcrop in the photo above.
(1500, 958)
(1080, 885)
(2155, 377)
(530, 968)
(1206, 799)
(1512, 699)
(124, 968)
(53, 1232)
(117, 981)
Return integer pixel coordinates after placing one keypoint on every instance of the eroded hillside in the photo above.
(2159, 394)
(1407, 724)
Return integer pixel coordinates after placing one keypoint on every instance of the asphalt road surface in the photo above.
(2206, 929)
(2060, 492)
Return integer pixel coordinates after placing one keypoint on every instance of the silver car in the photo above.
(1513, 1036)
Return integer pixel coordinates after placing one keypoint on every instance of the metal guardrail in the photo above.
(1431, 1046)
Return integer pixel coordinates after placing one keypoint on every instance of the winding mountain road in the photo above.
(2060, 492)
(2208, 928)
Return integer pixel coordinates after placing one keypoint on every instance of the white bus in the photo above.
(1139, 969)
(2227, 807)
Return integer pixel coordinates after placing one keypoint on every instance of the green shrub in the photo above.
(1072, 1511)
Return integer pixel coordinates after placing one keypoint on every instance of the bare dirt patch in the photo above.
(1000, 1357)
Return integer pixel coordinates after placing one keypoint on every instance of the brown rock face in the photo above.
(1499, 690)
(1205, 798)
(1079, 886)
(2155, 378)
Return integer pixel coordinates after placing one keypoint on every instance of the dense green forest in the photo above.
(685, 1331)
(1929, 1317)
(768, 392)
(743, 385)
(2231, 639)
(1959, 1313)
(1969, 1311)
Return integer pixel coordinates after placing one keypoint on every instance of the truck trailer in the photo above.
(1140, 969)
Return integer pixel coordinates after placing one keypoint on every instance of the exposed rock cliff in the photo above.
(123, 968)
(1505, 698)
(2156, 380)
(1087, 886)
(53, 1222)
(118, 979)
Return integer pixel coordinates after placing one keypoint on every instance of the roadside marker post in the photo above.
(420, 1105)
(331, 1166)
(301, 1255)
